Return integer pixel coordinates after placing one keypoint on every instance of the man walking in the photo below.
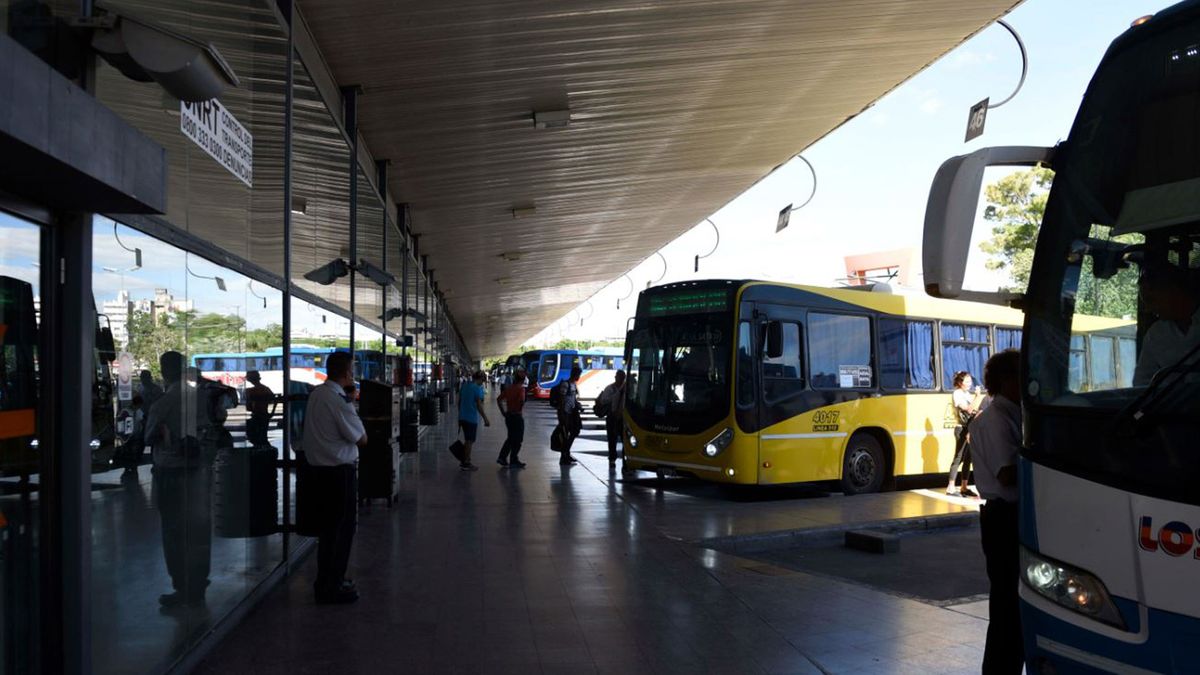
(568, 415)
(470, 409)
(258, 402)
(612, 401)
(333, 433)
(995, 444)
(511, 402)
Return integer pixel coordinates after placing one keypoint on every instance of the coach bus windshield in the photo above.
(1121, 239)
(679, 372)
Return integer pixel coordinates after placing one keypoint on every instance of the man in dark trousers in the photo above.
(182, 482)
(512, 402)
(258, 402)
(568, 414)
(613, 398)
(333, 433)
(995, 444)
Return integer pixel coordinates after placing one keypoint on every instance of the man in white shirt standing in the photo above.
(333, 433)
(995, 445)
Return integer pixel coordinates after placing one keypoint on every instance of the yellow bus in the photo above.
(757, 382)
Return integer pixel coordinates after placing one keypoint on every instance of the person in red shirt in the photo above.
(511, 402)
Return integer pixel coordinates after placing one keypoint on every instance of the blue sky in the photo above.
(874, 174)
(875, 171)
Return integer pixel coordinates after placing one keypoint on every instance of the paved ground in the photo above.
(570, 570)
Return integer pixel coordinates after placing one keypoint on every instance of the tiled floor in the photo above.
(569, 570)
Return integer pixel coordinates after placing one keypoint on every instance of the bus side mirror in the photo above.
(950, 218)
(774, 340)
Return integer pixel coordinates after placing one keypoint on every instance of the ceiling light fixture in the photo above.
(300, 206)
(552, 119)
(511, 256)
(524, 211)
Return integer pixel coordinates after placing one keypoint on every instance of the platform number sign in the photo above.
(976, 120)
(785, 215)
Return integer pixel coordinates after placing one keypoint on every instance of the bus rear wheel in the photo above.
(863, 467)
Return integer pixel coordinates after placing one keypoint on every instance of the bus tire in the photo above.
(864, 466)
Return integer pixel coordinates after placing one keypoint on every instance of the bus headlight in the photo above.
(95, 444)
(716, 445)
(1069, 587)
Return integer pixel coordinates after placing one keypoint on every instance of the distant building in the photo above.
(119, 313)
(898, 267)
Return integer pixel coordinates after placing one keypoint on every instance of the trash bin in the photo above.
(409, 431)
(429, 411)
(245, 493)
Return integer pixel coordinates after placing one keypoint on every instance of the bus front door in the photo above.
(780, 331)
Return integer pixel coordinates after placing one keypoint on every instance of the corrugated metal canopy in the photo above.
(676, 107)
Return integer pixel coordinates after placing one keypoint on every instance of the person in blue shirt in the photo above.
(470, 409)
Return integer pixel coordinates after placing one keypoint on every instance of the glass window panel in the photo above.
(839, 349)
(1103, 363)
(783, 376)
(1127, 361)
(964, 347)
(20, 252)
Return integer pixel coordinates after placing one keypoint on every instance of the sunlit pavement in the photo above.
(551, 569)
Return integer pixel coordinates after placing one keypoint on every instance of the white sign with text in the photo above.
(215, 129)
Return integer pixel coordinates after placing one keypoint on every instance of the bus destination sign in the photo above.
(689, 302)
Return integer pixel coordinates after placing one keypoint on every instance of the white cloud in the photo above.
(931, 106)
(964, 58)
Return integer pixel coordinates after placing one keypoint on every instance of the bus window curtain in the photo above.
(1008, 338)
(919, 356)
(958, 355)
(906, 361)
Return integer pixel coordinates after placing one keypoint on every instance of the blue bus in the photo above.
(1107, 478)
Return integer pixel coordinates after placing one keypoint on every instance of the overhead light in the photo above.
(524, 211)
(187, 69)
(329, 272)
(511, 256)
(374, 273)
(552, 119)
(504, 281)
(299, 206)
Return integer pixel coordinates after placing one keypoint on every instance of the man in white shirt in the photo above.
(333, 434)
(1170, 293)
(995, 445)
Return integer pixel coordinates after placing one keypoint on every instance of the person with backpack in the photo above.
(511, 402)
(568, 409)
(610, 405)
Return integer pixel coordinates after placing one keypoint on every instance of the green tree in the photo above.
(261, 339)
(149, 338)
(1016, 205)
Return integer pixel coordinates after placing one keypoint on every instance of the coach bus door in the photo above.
(780, 390)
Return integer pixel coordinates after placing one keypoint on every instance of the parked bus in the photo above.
(600, 366)
(307, 366)
(1108, 474)
(19, 385)
(762, 383)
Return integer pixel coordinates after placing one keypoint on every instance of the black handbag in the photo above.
(458, 450)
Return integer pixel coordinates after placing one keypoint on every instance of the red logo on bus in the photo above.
(1175, 538)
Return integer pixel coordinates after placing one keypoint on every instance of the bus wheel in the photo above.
(863, 467)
